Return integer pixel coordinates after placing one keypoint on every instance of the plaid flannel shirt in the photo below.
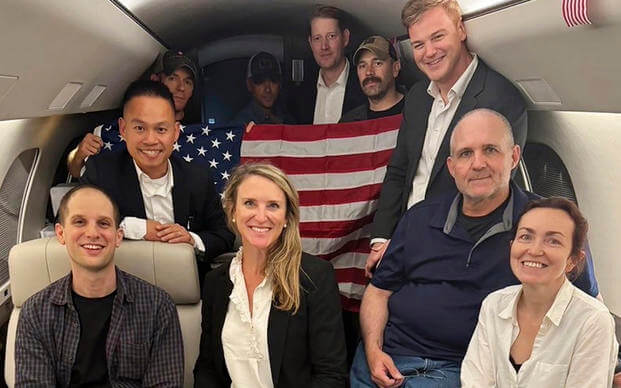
(144, 347)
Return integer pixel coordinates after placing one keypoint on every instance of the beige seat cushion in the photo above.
(35, 264)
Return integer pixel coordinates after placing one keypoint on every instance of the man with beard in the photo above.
(378, 67)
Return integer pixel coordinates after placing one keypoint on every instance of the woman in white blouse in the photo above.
(544, 332)
(271, 318)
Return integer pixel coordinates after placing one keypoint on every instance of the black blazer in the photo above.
(303, 97)
(306, 349)
(195, 202)
(487, 89)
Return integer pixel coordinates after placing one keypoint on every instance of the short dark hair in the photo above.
(62, 208)
(144, 87)
(329, 12)
(581, 226)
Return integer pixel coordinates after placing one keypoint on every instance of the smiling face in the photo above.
(438, 44)
(150, 131)
(481, 160)
(181, 86)
(328, 42)
(88, 231)
(541, 249)
(376, 76)
(260, 213)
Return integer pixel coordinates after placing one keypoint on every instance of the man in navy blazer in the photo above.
(459, 83)
(331, 88)
(160, 197)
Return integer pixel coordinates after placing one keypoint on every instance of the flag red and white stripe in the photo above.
(338, 170)
(575, 12)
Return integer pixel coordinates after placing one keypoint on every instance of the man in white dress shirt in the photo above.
(160, 197)
(325, 95)
(459, 82)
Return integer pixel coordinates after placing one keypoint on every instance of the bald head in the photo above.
(482, 156)
(483, 118)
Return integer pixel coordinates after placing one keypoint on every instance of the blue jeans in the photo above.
(418, 372)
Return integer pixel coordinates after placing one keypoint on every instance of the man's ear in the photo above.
(119, 237)
(396, 68)
(515, 156)
(122, 125)
(345, 37)
(60, 233)
(177, 130)
(450, 164)
(155, 77)
(249, 85)
(461, 30)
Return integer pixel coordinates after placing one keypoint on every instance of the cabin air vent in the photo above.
(539, 91)
(94, 94)
(65, 95)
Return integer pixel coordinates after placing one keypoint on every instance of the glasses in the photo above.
(330, 37)
(433, 374)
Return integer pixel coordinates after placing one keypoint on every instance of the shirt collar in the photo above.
(159, 186)
(342, 80)
(507, 214)
(237, 276)
(459, 88)
(556, 311)
(62, 292)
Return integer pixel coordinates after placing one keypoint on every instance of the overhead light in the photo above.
(92, 96)
(65, 95)
(539, 91)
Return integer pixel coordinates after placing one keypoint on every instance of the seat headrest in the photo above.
(35, 264)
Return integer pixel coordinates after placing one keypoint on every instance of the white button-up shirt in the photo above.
(158, 206)
(329, 103)
(244, 335)
(440, 118)
(575, 345)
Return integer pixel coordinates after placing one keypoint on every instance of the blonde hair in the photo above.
(414, 9)
(285, 256)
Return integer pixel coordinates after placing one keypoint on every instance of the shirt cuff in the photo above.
(198, 243)
(134, 228)
(377, 240)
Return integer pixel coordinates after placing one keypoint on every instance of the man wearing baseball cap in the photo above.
(377, 66)
(263, 80)
(175, 70)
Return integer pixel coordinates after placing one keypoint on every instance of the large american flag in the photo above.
(338, 170)
(216, 148)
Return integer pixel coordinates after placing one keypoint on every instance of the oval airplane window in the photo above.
(547, 172)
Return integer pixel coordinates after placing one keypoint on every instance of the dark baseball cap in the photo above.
(173, 60)
(262, 66)
(379, 46)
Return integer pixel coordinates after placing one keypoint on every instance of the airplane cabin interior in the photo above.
(65, 65)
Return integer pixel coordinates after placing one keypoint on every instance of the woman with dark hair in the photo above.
(544, 332)
(272, 317)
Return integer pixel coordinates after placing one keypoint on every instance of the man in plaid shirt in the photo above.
(97, 326)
